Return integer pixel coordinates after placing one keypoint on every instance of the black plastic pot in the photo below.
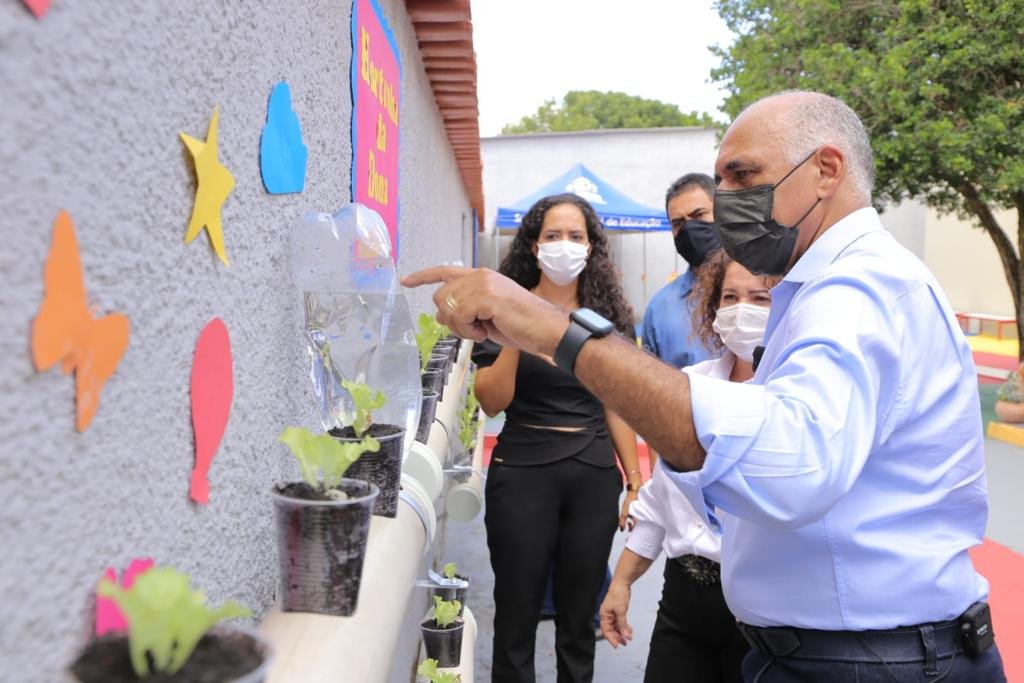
(228, 654)
(449, 347)
(383, 468)
(449, 593)
(443, 644)
(433, 380)
(428, 410)
(446, 343)
(321, 544)
(441, 361)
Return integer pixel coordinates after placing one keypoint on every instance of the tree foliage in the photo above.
(592, 109)
(938, 84)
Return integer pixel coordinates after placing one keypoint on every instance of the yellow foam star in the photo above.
(215, 183)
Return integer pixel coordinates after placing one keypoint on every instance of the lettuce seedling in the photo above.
(324, 455)
(428, 669)
(429, 333)
(449, 570)
(468, 417)
(366, 400)
(166, 618)
(445, 611)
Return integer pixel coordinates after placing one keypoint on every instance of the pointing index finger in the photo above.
(430, 276)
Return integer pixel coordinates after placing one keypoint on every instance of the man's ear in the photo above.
(831, 171)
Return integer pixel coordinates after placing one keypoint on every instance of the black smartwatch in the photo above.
(583, 324)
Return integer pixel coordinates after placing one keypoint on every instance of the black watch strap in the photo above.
(569, 348)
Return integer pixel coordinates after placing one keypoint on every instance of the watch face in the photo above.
(596, 323)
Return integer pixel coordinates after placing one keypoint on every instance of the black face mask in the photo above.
(748, 232)
(696, 240)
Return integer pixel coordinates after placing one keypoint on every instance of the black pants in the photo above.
(695, 636)
(563, 515)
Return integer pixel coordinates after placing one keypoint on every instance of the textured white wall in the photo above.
(966, 263)
(94, 96)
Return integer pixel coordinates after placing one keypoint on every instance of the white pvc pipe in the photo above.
(465, 667)
(466, 499)
(424, 466)
(425, 462)
(315, 648)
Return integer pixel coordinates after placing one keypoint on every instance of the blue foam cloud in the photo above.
(282, 153)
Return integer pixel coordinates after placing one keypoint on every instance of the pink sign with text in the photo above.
(376, 87)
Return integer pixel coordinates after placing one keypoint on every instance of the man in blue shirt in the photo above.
(848, 476)
(667, 323)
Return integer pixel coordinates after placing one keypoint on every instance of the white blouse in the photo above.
(665, 519)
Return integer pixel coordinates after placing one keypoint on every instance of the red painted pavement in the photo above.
(1004, 570)
(995, 360)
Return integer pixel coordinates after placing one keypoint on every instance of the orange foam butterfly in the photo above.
(66, 330)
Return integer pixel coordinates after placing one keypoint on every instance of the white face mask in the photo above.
(741, 328)
(562, 261)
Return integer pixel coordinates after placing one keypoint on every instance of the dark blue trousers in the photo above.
(855, 665)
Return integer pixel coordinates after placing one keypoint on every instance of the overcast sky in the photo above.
(531, 50)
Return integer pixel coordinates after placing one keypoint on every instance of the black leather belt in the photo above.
(905, 644)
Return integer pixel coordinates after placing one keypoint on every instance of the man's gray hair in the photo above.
(819, 119)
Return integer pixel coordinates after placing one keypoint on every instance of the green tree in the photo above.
(592, 109)
(938, 84)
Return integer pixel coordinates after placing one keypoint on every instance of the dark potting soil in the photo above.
(218, 658)
(302, 491)
(376, 431)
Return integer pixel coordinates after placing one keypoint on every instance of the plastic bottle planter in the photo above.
(229, 654)
(433, 380)
(383, 468)
(321, 544)
(443, 644)
(449, 593)
(427, 413)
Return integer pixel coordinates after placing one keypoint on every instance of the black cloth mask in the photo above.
(748, 232)
(696, 240)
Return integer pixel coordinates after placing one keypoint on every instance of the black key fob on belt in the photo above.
(976, 629)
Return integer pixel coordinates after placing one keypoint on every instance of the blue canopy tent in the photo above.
(617, 211)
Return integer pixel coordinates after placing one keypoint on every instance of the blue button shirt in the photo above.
(849, 473)
(667, 324)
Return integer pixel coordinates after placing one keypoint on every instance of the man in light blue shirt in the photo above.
(667, 326)
(848, 476)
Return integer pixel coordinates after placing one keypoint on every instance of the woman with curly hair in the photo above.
(553, 488)
(695, 637)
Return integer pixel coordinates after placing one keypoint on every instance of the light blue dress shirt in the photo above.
(849, 473)
(667, 324)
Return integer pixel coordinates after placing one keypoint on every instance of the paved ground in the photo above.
(1005, 468)
(468, 548)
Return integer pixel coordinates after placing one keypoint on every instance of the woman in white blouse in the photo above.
(695, 636)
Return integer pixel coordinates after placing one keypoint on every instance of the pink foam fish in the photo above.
(211, 389)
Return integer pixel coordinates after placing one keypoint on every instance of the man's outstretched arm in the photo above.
(653, 397)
